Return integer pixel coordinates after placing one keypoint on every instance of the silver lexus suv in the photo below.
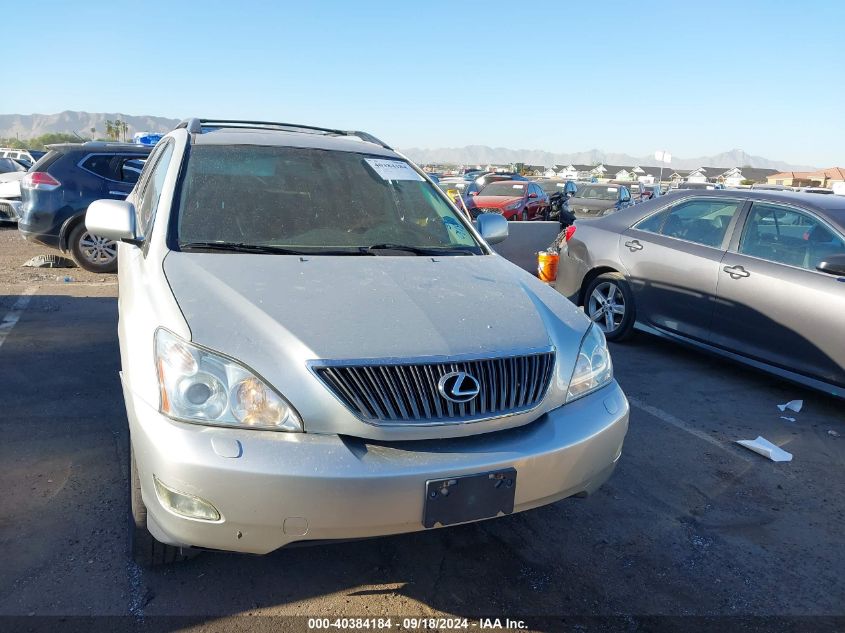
(316, 344)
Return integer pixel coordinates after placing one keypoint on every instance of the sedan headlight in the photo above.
(513, 205)
(593, 369)
(198, 385)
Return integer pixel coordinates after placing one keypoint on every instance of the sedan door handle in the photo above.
(736, 272)
(634, 245)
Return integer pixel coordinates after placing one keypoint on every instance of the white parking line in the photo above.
(15, 313)
(668, 418)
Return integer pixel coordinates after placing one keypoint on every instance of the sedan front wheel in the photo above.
(609, 303)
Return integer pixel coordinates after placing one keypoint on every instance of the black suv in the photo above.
(56, 192)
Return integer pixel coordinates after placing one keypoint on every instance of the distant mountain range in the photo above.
(26, 126)
(484, 155)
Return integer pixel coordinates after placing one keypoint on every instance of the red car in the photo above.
(514, 199)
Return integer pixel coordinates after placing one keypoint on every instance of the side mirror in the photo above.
(532, 195)
(493, 227)
(832, 265)
(114, 219)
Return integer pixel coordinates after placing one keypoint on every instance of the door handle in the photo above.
(119, 193)
(736, 272)
(634, 245)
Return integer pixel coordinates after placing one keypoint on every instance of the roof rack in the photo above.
(197, 126)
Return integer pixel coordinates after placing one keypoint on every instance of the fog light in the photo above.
(184, 504)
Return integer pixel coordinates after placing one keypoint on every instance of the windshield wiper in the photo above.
(416, 250)
(239, 247)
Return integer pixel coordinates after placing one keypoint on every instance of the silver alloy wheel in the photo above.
(96, 249)
(606, 306)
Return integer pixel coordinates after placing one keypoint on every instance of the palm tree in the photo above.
(93, 133)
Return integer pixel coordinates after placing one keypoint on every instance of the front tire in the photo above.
(143, 546)
(92, 252)
(609, 303)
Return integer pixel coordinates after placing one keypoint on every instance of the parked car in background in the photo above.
(56, 192)
(557, 196)
(755, 276)
(634, 188)
(647, 192)
(12, 165)
(485, 179)
(513, 199)
(820, 190)
(593, 200)
(10, 195)
(482, 393)
(762, 186)
(454, 188)
(29, 155)
(709, 186)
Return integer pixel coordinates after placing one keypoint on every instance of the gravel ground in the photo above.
(690, 525)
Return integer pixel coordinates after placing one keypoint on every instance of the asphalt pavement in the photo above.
(690, 525)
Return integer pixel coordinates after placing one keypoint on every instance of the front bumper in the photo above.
(10, 210)
(272, 489)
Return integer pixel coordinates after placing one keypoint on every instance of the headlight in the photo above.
(513, 205)
(200, 386)
(593, 369)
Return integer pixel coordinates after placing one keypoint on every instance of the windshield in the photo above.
(598, 193)
(510, 189)
(550, 186)
(311, 200)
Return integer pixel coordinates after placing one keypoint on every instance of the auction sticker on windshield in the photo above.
(393, 169)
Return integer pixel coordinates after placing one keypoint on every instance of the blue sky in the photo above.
(694, 77)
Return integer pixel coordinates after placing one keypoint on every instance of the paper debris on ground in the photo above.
(792, 405)
(764, 447)
(783, 417)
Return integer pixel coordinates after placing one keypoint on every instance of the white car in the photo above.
(316, 344)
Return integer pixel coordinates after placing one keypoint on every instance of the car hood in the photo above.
(277, 313)
(495, 201)
(590, 206)
(10, 184)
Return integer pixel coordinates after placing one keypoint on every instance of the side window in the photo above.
(121, 168)
(702, 221)
(148, 202)
(652, 223)
(785, 235)
(101, 165)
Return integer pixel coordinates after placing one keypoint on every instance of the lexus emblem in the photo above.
(458, 386)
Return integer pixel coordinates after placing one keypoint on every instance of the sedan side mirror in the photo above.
(493, 227)
(114, 219)
(832, 265)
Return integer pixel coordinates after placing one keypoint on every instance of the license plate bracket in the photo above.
(469, 497)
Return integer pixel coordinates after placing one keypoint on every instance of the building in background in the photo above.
(821, 178)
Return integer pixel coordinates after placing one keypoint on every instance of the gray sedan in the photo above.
(756, 276)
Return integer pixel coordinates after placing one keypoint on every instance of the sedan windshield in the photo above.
(551, 186)
(286, 199)
(509, 189)
(598, 193)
